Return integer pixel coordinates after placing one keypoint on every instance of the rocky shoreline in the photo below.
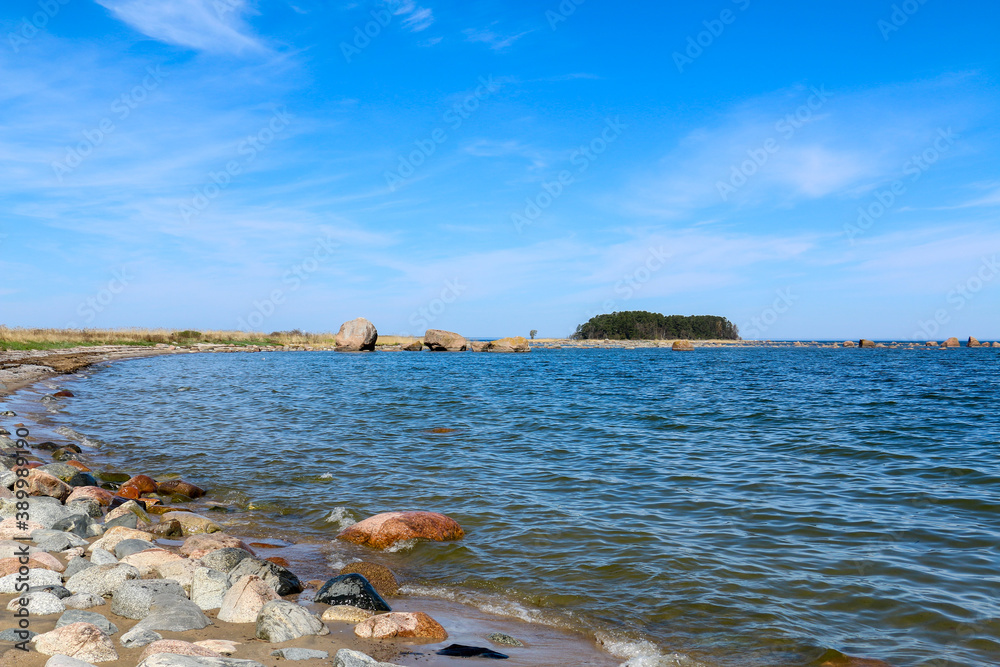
(110, 569)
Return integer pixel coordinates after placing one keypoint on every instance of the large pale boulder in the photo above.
(384, 530)
(95, 493)
(282, 621)
(515, 344)
(101, 579)
(951, 342)
(973, 342)
(177, 647)
(148, 562)
(242, 603)
(356, 336)
(41, 483)
(682, 346)
(83, 641)
(400, 624)
(119, 534)
(445, 341)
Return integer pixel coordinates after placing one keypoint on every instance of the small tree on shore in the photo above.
(533, 333)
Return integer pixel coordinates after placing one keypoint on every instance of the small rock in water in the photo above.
(379, 576)
(64, 393)
(300, 654)
(460, 651)
(504, 640)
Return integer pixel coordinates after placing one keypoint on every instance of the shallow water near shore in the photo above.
(734, 506)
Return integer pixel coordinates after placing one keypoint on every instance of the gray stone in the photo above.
(347, 658)
(92, 617)
(7, 478)
(224, 560)
(281, 621)
(77, 565)
(133, 598)
(13, 549)
(36, 577)
(138, 637)
(172, 660)
(56, 540)
(78, 524)
(280, 579)
(83, 601)
(505, 640)
(43, 510)
(300, 654)
(91, 508)
(174, 614)
(58, 591)
(208, 587)
(101, 556)
(133, 546)
(15, 635)
(66, 661)
(125, 520)
(102, 579)
(39, 604)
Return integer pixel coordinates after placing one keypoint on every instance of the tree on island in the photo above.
(643, 325)
(533, 333)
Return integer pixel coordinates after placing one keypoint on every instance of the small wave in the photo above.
(341, 516)
(67, 432)
(326, 475)
(491, 604)
(402, 545)
(642, 653)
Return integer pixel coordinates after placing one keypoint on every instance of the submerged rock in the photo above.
(462, 651)
(384, 530)
(173, 486)
(504, 640)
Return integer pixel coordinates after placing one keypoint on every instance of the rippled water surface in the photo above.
(751, 506)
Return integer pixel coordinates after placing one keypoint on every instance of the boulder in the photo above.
(130, 508)
(11, 529)
(9, 584)
(682, 346)
(242, 603)
(951, 342)
(345, 613)
(379, 576)
(191, 523)
(133, 599)
(127, 548)
(83, 641)
(39, 604)
(209, 587)
(172, 528)
(92, 617)
(849, 343)
(347, 658)
(479, 345)
(66, 661)
(356, 336)
(400, 624)
(173, 613)
(225, 559)
(445, 341)
(197, 546)
(277, 577)
(150, 560)
(41, 483)
(170, 487)
(866, 343)
(182, 571)
(515, 344)
(76, 565)
(415, 346)
(118, 534)
(221, 646)
(95, 493)
(138, 637)
(504, 640)
(83, 601)
(351, 589)
(973, 342)
(281, 621)
(384, 530)
(101, 579)
(81, 525)
(177, 647)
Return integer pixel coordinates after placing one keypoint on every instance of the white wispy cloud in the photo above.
(494, 40)
(415, 18)
(203, 25)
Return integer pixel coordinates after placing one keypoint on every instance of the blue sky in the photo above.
(808, 170)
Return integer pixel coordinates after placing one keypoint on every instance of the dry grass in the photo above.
(46, 339)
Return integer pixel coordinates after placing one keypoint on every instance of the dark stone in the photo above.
(352, 589)
(65, 454)
(129, 547)
(76, 565)
(172, 528)
(64, 393)
(77, 524)
(460, 651)
(129, 520)
(92, 617)
(118, 500)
